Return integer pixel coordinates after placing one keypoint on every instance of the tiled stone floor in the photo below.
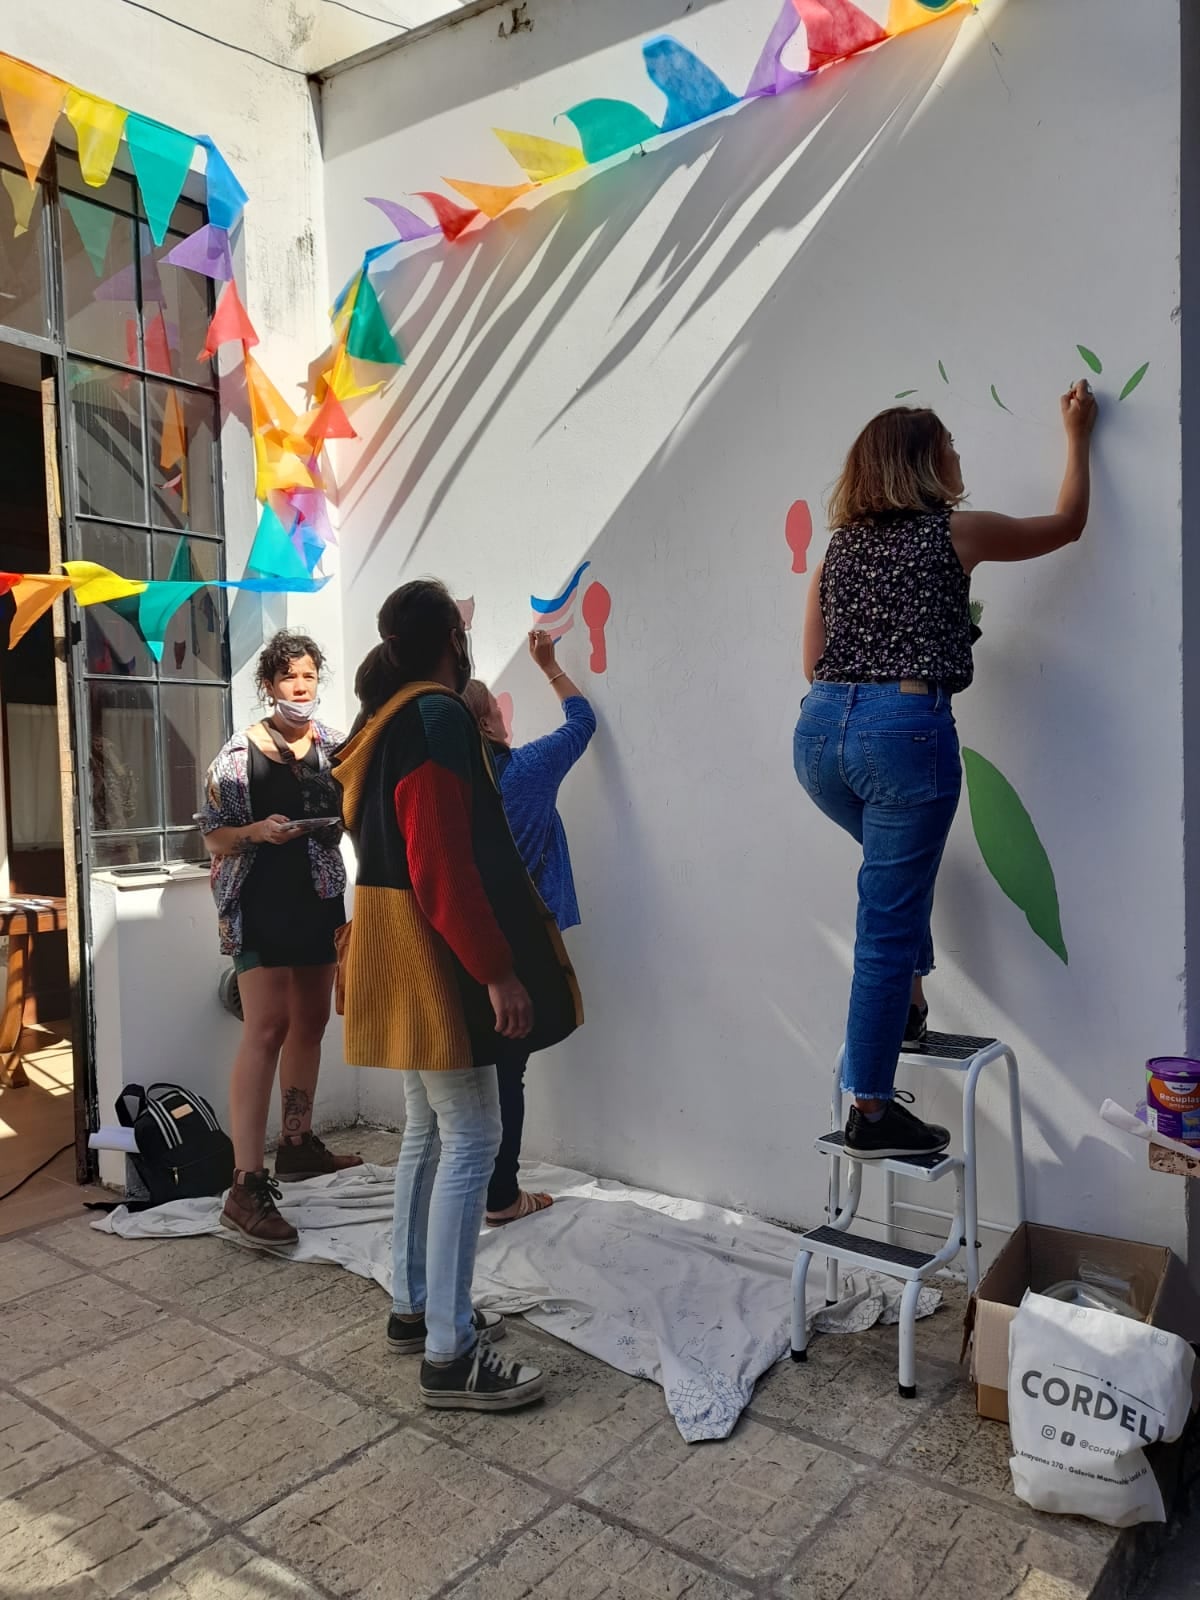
(188, 1421)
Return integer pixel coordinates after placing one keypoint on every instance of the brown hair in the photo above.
(416, 623)
(479, 699)
(897, 463)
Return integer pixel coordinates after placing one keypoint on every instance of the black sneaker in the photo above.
(897, 1134)
(409, 1337)
(480, 1381)
(916, 1027)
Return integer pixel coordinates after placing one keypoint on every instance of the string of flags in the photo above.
(294, 528)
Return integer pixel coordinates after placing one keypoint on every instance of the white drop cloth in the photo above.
(691, 1296)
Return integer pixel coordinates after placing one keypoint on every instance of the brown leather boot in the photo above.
(250, 1211)
(306, 1157)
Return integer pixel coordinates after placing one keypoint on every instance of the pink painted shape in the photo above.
(798, 532)
(550, 619)
(563, 627)
(596, 610)
(505, 702)
(466, 610)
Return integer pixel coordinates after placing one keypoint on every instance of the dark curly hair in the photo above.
(281, 651)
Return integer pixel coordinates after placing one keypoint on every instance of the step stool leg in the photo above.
(889, 1206)
(1017, 1138)
(831, 1282)
(970, 1177)
(908, 1339)
(799, 1307)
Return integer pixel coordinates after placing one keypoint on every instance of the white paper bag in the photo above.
(1087, 1391)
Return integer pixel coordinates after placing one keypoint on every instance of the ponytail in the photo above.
(416, 624)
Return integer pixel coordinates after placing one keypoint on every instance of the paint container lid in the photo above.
(1173, 1067)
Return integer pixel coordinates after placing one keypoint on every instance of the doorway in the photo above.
(43, 1071)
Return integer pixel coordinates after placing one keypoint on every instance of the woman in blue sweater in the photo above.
(530, 777)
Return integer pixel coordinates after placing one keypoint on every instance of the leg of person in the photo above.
(916, 779)
(917, 1025)
(250, 1208)
(460, 1370)
(301, 1154)
(506, 1200)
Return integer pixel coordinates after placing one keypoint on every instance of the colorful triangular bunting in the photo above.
(490, 198)
(406, 223)
(609, 127)
(229, 322)
(226, 197)
(369, 337)
(94, 225)
(98, 126)
(162, 159)
(206, 251)
(452, 219)
(693, 90)
(542, 160)
(32, 101)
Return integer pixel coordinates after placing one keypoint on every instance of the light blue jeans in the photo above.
(451, 1136)
(884, 765)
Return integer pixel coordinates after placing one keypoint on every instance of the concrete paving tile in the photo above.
(746, 1502)
(230, 1570)
(572, 1554)
(590, 1412)
(245, 1447)
(296, 1307)
(191, 1272)
(95, 1529)
(98, 1251)
(953, 1443)
(24, 1269)
(118, 1391)
(398, 1521)
(66, 1320)
(909, 1541)
(32, 1447)
(846, 1392)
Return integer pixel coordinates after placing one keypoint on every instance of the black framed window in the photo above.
(140, 426)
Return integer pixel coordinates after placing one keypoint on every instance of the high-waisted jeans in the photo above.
(451, 1135)
(884, 765)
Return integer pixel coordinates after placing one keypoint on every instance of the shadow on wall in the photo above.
(858, 109)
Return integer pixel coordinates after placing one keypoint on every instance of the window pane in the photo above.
(195, 642)
(118, 192)
(106, 418)
(182, 458)
(117, 850)
(99, 282)
(22, 281)
(110, 632)
(186, 846)
(123, 764)
(175, 315)
(194, 729)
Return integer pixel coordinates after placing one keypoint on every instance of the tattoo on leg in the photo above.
(297, 1109)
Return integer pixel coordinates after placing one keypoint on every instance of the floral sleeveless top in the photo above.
(896, 603)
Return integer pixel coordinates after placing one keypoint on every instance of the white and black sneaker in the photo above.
(480, 1381)
(916, 1028)
(896, 1135)
(408, 1338)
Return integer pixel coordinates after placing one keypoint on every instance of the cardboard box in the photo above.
(1037, 1257)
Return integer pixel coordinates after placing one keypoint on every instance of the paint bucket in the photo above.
(1173, 1097)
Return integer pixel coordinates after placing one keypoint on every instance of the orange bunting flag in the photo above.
(489, 198)
(34, 596)
(277, 468)
(173, 449)
(541, 160)
(451, 218)
(268, 408)
(329, 420)
(98, 126)
(32, 102)
(229, 322)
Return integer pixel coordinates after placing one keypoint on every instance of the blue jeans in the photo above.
(451, 1135)
(884, 765)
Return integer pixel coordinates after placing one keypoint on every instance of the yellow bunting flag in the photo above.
(94, 584)
(277, 468)
(541, 159)
(343, 379)
(98, 126)
(34, 597)
(904, 15)
(490, 198)
(32, 102)
(268, 408)
(22, 197)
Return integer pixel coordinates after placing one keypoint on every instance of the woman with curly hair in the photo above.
(271, 825)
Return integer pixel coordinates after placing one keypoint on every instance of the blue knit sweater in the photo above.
(530, 777)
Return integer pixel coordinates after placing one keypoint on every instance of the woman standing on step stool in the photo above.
(887, 643)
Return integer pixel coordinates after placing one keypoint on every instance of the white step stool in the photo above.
(956, 1053)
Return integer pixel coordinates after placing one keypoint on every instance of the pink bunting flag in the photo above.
(836, 29)
(311, 507)
(206, 251)
(406, 223)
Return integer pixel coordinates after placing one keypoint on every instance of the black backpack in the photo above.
(182, 1152)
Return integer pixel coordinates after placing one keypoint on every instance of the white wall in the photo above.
(645, 372)
(156, 955)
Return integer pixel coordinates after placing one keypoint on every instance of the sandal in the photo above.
(527, 1205)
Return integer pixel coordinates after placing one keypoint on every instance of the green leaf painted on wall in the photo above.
(1012, 851)
(998, 400)
(1092, 359)
(904, 394)
(1135, 380)
(942, 370)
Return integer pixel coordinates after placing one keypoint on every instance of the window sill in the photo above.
(157, 878)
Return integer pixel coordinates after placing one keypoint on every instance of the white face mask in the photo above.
(296, 713)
